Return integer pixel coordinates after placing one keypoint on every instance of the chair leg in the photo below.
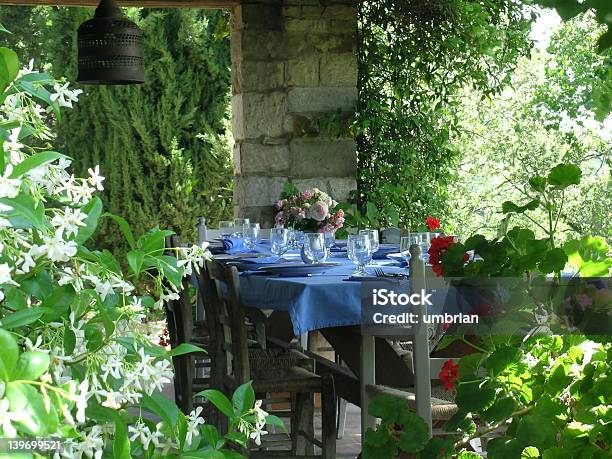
(328, 418)
(302, 421)
(342, 408)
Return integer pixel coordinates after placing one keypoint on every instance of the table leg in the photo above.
(368, 376)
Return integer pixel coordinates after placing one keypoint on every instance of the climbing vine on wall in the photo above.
(413, 59)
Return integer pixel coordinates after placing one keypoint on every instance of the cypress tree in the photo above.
(165, 146)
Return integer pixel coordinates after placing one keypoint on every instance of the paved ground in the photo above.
(348, 446)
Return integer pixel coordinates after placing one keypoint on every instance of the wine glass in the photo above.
(330, 238)
(279, 240)
(424, 244)
(252, 232)
(359, 251)
(405, 243)
(239, 224)
(314, 247)
(374, 244)
(226, 228)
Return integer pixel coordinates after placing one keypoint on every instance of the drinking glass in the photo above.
(314, 247)
(330, 239)
(359, 251)
(239, 224)
(226, 228)
(373, 235)
(252, 235)
(279, 240)
(298, 238)
(405, 243)
(424, 244)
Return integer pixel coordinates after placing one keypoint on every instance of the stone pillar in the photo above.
(294, 68)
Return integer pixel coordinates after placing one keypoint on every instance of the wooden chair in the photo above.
(273, 371)
(420, 398)
(192, 372)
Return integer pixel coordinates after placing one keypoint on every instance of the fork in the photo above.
(378, 272)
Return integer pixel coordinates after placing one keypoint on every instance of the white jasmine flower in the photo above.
(193, 421)
(6, 417)
(56, 249)
(81, 400)
(141, 432)
(65, 96)
(95, 178)
(68, 222)
(9, 188)
(5, 275)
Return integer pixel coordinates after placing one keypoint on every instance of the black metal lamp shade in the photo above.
(110, 48)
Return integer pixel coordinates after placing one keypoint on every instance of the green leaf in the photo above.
(32, 365)
(501, 409)
(554, 261)
(439, 448)
(4, 30)
(501, 359)
(275, 421)
(536, 431)
(25, 206)
(557, 453)
(504, 448)
(9, 66)
(135, 259)
(20, 318)
(243, 399)
(34, 161)
(162, 406)
(203, 454)
(169, 269)
(564, 175)
(218, 399)
(93, 209)
(121, 443)
(185, 348)
(154, 242)
(211, 435)
(538, 183)
(416, 433)
(509, 206)
(9, 353)
(531, 452)
(125, 228)
(379, 445)
(474, 396)
(37, 419)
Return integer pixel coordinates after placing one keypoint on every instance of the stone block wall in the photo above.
(293, 64)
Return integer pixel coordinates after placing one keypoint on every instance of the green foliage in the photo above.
(165, 146)
(547, 116)
(414, 57)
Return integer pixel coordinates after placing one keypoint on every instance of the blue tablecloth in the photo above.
(319, 301)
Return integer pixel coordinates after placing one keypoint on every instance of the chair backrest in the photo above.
(182, 309)
(229, 318)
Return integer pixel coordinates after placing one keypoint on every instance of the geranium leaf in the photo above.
(564, 175)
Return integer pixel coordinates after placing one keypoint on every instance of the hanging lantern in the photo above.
(110, 48)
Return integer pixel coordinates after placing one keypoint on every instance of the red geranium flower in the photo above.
(439, 245)
(449, 374)
(432, 223)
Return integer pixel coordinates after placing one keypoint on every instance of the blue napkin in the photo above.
(263, 260)
(383, 251)
(234, 245)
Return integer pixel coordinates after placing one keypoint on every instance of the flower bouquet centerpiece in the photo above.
(309, 210)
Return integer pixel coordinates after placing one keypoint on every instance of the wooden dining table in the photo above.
(293, 305)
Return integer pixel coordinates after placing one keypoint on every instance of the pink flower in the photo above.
(306, 195)
(319, 211)
(278, 205)
(280, 217)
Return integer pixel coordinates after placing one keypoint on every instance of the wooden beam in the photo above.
(137, 3)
